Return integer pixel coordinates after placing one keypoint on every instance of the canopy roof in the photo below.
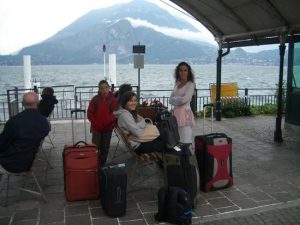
(246, 22)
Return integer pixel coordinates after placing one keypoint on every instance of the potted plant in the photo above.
(148, 109)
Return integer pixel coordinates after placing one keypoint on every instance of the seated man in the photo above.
(22, 135)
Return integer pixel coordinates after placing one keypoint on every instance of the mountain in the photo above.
(240, 56)
(120, 27)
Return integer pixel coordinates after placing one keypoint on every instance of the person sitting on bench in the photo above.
(133, 124)
(22, 135)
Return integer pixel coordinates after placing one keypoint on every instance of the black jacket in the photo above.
(20, 139)
(46, 104)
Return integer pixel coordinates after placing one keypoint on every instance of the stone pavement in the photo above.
(266, 186)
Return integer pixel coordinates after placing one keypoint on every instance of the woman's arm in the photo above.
(127, 122)
(187, 97)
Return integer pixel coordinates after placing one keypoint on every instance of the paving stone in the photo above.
(78, 220)
(4, 220)
(259, 196)
(131, 214)
(148, 207)
(97, 212)
(25, 222)
(71, 210)
(205, 210)
(266, 176)
(26, 214)
(133, 222)
(52, 216)
(105, 221)
(220, 202)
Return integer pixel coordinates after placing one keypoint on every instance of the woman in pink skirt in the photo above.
(181, 97)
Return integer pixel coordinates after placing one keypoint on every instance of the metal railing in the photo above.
(71, 97)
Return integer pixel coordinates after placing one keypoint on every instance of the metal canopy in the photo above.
(237, 23)
(233, 22)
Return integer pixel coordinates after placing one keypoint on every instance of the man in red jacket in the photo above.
(100, 114)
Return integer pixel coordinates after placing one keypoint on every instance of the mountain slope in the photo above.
(120, 27)
(81, 42)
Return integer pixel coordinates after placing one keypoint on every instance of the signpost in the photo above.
(138, 59)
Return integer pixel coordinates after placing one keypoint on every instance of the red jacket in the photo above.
(102, 118)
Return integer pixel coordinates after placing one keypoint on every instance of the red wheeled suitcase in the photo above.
(214, 155)
(81, 168)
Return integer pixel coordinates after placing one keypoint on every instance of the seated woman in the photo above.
(133, 124)
(47, 102)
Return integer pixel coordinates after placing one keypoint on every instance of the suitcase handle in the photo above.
(84, 122)
(212, 116)
(80, 142)
(77, 110)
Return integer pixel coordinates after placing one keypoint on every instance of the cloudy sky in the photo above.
(27, 22)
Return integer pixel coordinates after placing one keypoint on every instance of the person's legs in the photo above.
(186, 134)
(151, 146)
(104, 146)
(96, 139)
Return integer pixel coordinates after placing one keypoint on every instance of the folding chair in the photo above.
(26, 176)
(142, 161)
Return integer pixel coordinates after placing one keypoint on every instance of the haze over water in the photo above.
(153, 76)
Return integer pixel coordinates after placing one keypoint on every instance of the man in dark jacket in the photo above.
(22, 135)
(47, 102)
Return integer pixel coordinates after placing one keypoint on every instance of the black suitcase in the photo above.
(214, 156)
(168, 129)
(113, 180)
(181, 170)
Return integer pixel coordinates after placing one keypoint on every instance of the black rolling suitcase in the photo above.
(214, 156)
(113, 190)
(181, 170)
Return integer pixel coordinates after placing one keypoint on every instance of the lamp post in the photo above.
(104, 69)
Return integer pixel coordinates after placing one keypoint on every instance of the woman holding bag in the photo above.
(133, 125)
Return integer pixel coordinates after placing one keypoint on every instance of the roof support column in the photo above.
(218, 81)
(278, 132)
(218, 84)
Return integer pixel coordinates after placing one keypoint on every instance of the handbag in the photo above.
(150, 133)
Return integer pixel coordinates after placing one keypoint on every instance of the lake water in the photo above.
(151, 77)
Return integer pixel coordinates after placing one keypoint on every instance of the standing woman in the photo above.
(181, 97)
(100, 114)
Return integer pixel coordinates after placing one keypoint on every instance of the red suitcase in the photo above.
(81, 168)
(214, 155)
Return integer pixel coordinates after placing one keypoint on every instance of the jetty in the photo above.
(266, 186)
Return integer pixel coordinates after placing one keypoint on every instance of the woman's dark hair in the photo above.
(103, 82)
(48, 91)
(190, 77)
(126, 97)
(124, 88)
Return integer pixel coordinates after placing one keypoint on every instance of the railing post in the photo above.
(246, 98)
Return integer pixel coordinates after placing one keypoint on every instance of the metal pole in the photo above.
(139, 84)
(278, 132)
(104, 69)
(218, 85)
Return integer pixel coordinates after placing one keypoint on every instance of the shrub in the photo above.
(264, 109)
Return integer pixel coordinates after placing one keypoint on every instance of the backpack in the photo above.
(168, 129)
(174, 206)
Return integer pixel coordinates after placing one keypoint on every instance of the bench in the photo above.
(229, 93)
